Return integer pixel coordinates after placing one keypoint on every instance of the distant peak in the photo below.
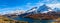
(44, 4)
(44, 8)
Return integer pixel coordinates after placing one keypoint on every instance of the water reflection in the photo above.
(32, 20)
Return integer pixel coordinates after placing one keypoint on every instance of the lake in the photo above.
(32, 20)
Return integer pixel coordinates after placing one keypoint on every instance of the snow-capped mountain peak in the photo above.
(32, 9)
(41, 9)
(44, 9)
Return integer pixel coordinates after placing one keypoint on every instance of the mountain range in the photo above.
(40, 9)
(43, 12)
(34, 10)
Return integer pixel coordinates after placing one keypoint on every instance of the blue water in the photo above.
(24, 19)
(32, 20)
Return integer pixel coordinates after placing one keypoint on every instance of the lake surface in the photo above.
(32, 20)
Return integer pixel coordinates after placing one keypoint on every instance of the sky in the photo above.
(12, 5)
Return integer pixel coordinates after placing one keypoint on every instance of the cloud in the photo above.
(31, 5)
(17, 12)
(55, 5)
(11, 10)
(50, 3)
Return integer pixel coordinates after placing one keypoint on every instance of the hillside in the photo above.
(44, 16)
(4, 19)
